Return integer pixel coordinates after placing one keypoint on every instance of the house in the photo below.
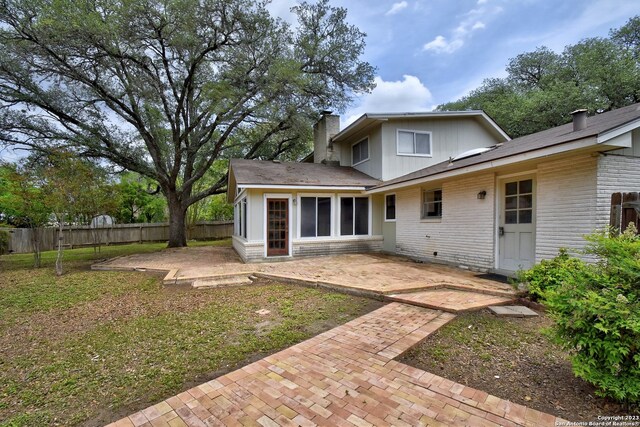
(447, 187)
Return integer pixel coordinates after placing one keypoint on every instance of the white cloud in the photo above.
(282, 9)
(441, 45)
(470, 23)
(408, 94)
(479, 25)
(397, 7)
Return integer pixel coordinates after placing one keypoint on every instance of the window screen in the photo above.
(360, 151)
(390, 207)
(315, 213)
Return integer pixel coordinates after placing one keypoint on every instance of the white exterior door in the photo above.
(516, 225)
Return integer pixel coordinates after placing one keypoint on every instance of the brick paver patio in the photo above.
(343, 377)
(451, 300)
(369, 273)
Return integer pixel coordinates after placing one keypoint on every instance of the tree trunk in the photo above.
(177, 223)
(36, 239)
(59, 257)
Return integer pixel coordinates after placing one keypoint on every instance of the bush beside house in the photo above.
(596, 308)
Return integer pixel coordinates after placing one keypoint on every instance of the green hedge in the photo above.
(596, 309)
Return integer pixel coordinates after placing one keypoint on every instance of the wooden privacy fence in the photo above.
(625, 209)
(20, 240)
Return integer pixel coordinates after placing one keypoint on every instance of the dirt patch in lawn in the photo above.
(514, 360)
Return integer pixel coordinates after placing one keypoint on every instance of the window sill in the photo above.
(360, 162)
(389, 220)
(431, 220)
(413, 155)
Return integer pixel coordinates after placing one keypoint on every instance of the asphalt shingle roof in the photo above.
(261, 172)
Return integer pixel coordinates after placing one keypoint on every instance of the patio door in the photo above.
(277, 227)
(516, 232)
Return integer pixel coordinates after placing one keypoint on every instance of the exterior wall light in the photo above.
(482, 195)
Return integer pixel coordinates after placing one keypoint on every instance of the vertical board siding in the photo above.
(566, 204)
(616, 174)
(464, 236)
(449, 138)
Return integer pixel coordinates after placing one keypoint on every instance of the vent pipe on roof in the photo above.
(579, 119)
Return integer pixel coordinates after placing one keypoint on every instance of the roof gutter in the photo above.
(489, 164)
(302, 187)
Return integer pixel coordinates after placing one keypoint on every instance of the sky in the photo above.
(428, 52)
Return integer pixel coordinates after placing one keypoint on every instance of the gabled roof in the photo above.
(266, 174)
(598, 126)
(369, 119)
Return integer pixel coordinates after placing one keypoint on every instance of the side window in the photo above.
(431, 204)
(390, 207)
(413, 143)
(360, 152)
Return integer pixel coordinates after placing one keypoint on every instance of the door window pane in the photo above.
(525, 216)
(308, 217)
(324, 216)
(361, 215)
(526, 186)
(346, 216)
(525, 202)
(511, 202)
(511, 217)
(511, 188)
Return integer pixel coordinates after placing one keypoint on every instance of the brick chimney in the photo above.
(323, 131)
(579, 119)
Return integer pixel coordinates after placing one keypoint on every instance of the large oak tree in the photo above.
(167, 88)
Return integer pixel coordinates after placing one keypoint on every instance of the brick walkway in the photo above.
(343, 377)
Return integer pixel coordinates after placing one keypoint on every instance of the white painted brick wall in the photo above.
(566, 204)
(254, 251)
(465, 234)
(616, 174)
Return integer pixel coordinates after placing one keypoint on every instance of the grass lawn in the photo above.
(90, 347)
(513, 359)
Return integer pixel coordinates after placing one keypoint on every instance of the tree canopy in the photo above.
(542, 87)
(167, 88)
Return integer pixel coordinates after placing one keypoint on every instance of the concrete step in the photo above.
(223, 281)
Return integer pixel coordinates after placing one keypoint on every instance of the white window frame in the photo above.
(385, 207)
(414, 132)
(368, 150)
(238, 216)
(299, 215)
(339, 217)
(423, 217)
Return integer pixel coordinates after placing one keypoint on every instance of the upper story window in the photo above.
(413, 143)
(360, 151)
(431, 204)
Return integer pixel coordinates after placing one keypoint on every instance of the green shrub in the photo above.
(549, 274)
(597, 315)
(4, 241)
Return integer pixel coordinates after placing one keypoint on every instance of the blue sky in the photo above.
(428, 52)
